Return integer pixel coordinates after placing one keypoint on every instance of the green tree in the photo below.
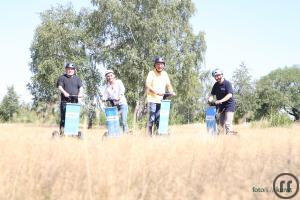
(243, 91)
(9, 105)
(60, 38)
(57, 40)
(279, 89)
(92, 77)
(127, 35)
(207, 82)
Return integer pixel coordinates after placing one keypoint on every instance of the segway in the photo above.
(165, 105)
(112, 118)
(72, 119)
(210, 119)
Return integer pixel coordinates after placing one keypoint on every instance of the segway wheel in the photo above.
(55, 134)
(80, 135)
(105, 135)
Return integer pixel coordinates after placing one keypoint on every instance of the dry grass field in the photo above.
(187, 165)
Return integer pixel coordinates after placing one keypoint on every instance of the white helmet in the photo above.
(216, 72)
(109, 71)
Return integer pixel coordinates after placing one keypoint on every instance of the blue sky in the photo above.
(263, 34)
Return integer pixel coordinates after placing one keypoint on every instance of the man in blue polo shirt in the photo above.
(223, 91)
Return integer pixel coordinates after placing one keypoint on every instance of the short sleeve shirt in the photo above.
(70, 84)
(159, 82)
(221, 90)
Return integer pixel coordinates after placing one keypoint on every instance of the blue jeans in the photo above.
(154, 113)
(123, 110)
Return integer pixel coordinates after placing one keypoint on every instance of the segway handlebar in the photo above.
(167, 95)
(78, 96)
(73, 98)
(211, 103)
(113, 102)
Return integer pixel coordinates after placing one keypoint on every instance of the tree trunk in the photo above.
(91, 117)
(90, 122)
(139, 111)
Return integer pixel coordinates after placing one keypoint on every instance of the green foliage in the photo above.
(9, 105)
(262, 123)
(243, 92)
(273, 120)
(57, 40)
(127, 35)
(132, 124)
(92, 80)
(279, 90)
(102, 118)
(26, 115)
(124, 36)
(280, 119)
(61, 38)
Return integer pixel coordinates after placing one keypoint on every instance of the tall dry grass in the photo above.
(187, 165)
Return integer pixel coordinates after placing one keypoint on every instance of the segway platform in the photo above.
(210, 118)
(72, 119)
(112, 121)
(164, 117)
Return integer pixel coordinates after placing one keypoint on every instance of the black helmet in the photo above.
(70, 65)
(159, 60)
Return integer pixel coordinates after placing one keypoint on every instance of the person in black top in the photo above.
(223, 91)
(70, 87)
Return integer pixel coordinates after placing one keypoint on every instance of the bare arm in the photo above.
(170, 89)
(169, 86)
(151, 89)
(80, 93)
(228, 96)
(210, 99)
(61, 89)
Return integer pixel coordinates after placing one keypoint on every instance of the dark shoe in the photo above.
(149, 131)
(61, 131)
(79, 135)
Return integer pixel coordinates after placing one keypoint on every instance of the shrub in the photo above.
(26, 116)
(273, 120)
(280, 119)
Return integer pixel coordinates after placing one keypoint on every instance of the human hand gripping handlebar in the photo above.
(103, 103)
(78, 96)
(168, 94)
(74, 98)
(112, 102)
